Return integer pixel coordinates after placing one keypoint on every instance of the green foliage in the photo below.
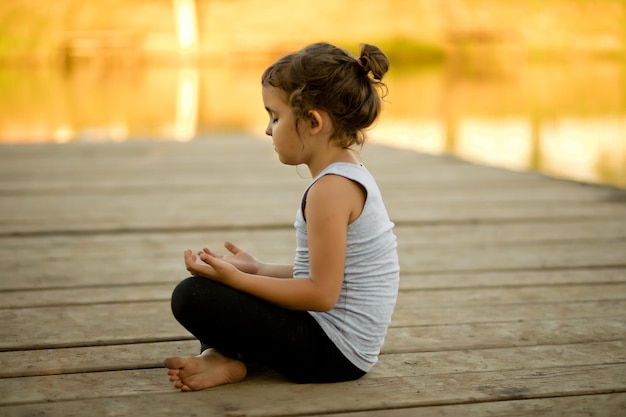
(409, 52)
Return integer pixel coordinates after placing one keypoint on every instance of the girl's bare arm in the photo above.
(327, 229)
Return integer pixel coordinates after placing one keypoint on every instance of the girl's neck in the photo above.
(317, 164)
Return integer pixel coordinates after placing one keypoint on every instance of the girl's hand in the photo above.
(213, 267)
(240, 259)
(196, 269)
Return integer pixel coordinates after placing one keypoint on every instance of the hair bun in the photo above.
(373, 61)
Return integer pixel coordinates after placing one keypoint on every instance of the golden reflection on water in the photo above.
(186, 23)
(588, 150)
(186, 105)
(565, 123)
(562, 120)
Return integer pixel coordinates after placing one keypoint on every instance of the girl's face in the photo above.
(282, 127)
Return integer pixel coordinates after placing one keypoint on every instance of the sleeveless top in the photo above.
(358, 323)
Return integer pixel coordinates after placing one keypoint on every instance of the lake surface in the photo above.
(566, 119)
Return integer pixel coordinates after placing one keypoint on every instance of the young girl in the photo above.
(324, 318)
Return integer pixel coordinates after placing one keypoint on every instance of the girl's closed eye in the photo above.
(273, 118)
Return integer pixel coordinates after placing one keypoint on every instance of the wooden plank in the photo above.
(184, 161)
(406, 298)
(79, 296)
(139, 163)
(503, 279)
(176, 161)
(399, 340)
(250, 207)
(511, 312)
(403, 209)
(126, 256)
(452, 193)
(501, 257)
(502, 359)
(545, 192)
(69, 261)
(92, 358)
(95, 212)
(524, 332)
(88, 325)
(63, 246)
(99, 324)
(125, 391)
(608, 405)
(169, 272)
(389, 368)
(511, 233)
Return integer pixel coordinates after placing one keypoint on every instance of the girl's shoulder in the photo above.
(355, 172)
(335, 187)
(344, 173)
(347, 194)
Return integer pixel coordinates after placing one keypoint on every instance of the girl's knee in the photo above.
(184, 297)
(196, 296)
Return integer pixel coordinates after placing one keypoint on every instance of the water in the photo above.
(566, 119)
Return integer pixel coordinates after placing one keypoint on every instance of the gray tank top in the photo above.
(358, 323)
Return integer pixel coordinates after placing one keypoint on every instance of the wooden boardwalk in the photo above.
(512, 303)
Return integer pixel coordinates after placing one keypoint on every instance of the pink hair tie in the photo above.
(358, 61)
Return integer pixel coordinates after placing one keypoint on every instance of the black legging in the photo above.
(236, 323)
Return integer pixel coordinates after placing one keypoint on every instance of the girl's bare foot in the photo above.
(210, 369)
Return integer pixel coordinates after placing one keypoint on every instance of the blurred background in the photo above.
(523, 84)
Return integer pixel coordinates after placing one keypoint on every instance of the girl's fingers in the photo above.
(214, 262)
(207, 251)
(206, 258)
(190, 261)
(232, 248)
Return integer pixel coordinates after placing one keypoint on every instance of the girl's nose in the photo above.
(268, 131)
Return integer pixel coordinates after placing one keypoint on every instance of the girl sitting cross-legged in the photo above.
(324, 318)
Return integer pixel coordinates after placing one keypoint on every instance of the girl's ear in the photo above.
(315, 121)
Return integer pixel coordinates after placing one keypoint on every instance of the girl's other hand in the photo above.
(237, 257)
(198, 270)
(213, 268)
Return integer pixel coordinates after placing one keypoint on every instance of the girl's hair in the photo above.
(324, 77)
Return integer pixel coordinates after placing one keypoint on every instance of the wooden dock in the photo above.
(512, 302)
